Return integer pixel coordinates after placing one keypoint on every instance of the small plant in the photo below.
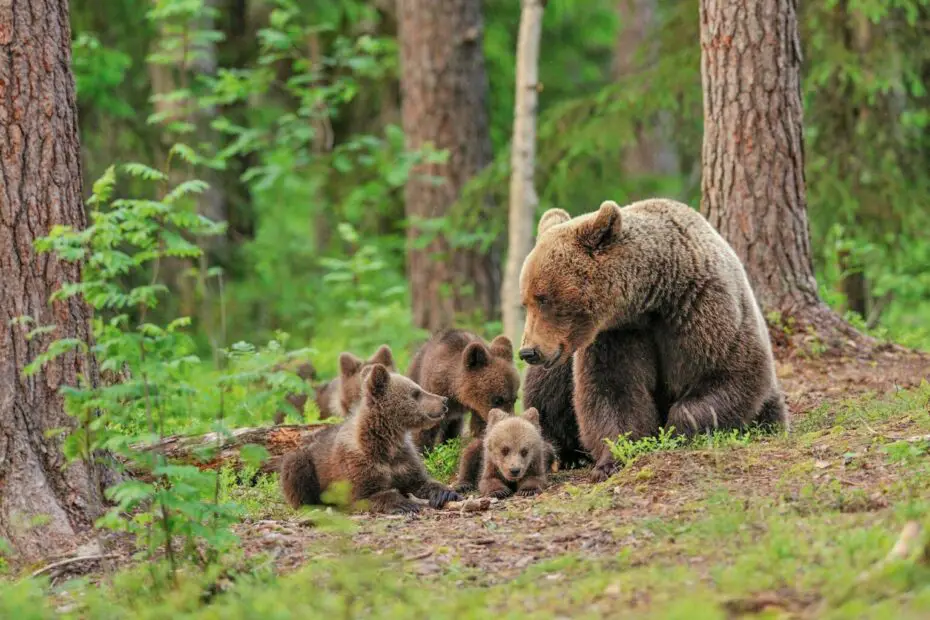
(626, 451)
(442, 461)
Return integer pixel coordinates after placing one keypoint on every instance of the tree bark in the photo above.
(653, 152)
(753, 155)
(523, 198)
(444, 103)
(45, 503)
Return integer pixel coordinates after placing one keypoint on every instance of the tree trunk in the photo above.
(444, 103)
(753, 156)
(523, 199)
(653, 152)
(45, 503)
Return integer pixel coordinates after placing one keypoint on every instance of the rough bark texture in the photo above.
(653, 153)
(523, 199)
(444, 102)
(753, 156)
(40, 187)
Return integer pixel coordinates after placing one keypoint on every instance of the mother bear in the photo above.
(639, 317)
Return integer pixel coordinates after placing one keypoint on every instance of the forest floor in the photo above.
(823, 521)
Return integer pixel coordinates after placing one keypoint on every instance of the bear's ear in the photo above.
(502, 347)
(306, 371)
(348, 364)
(552, 217)
(603, 229)
(531, 415)
(378, 380)
(475, 356)
(383, 356)
(495, 416)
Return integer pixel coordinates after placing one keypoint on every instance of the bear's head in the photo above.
(563, 284)
(488, 378)
(513, 443)
(398, 402)
(350, 368)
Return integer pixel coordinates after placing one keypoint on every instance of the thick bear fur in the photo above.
(656, 314)
(341, 396)
(372, 450)
(476, 377)
(516, 458)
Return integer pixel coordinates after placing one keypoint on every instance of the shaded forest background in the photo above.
(293, 113)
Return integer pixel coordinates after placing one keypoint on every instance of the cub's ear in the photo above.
(603, 229)
(383, 356)
(531, 415)
(552, 217)
(348, 364)
(495, 416)
(475, 356)
(502, 347)
(378, 380)
(306, 371)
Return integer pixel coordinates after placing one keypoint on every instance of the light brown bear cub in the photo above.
(341, 396)
(475, 376)
(372, 450)
(516, 457)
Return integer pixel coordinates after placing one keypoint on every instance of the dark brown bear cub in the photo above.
(474, 376)
(341, 396)
(516, 457)
(372, 450)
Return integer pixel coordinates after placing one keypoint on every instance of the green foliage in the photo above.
(626, 450)
(443, 460)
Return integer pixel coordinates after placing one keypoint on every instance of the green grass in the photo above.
(803, 521)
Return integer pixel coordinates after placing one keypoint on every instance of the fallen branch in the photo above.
(472, 504)
(74, 560)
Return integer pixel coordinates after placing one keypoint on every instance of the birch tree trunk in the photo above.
(46, 504)
(523, 199)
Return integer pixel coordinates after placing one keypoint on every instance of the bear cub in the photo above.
(341, 396)
(372, 450)
(516, 457)
(476, 377)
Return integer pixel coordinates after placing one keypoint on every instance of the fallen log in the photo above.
(211, 451)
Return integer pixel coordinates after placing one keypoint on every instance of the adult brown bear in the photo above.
(655, 312)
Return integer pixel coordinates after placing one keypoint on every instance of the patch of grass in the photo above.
(443, 460)
(626, 451)
(259, 495)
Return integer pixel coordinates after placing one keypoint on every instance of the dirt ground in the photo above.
(497, 544)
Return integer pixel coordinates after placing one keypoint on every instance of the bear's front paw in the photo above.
(407, 507)
(686, 418)
(500, 493)
(529, 491)
(441, 496)
(464, 487)
(604, 469)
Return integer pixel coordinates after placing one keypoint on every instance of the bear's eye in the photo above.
(542, 300)
(505, 451)
(417, 394)
(524, 452)
(497, 401)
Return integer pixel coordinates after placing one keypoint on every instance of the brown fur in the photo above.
(372, 450)
(341, 396)
(658, 313)
(516, 457)
(305, 371)
(476, 377)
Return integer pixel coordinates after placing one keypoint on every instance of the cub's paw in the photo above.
(529, 491)
(440, 497)
(464, 487)
(406, 508)
(500, 493)
(602, 471)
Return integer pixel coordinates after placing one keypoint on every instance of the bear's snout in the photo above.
(531, 355)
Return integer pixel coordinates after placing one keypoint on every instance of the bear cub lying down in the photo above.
(372, 450)
(639, 317)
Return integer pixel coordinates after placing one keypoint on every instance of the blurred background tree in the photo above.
(359, 150)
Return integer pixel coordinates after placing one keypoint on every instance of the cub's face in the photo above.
(563, 286)
(489, 379)
(402, 400)
(513, 443)
(350, 368)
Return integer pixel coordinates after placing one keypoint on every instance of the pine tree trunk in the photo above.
(753, 156)
(653, 152)
(45, 504)
(523, 199)
(444, 103)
